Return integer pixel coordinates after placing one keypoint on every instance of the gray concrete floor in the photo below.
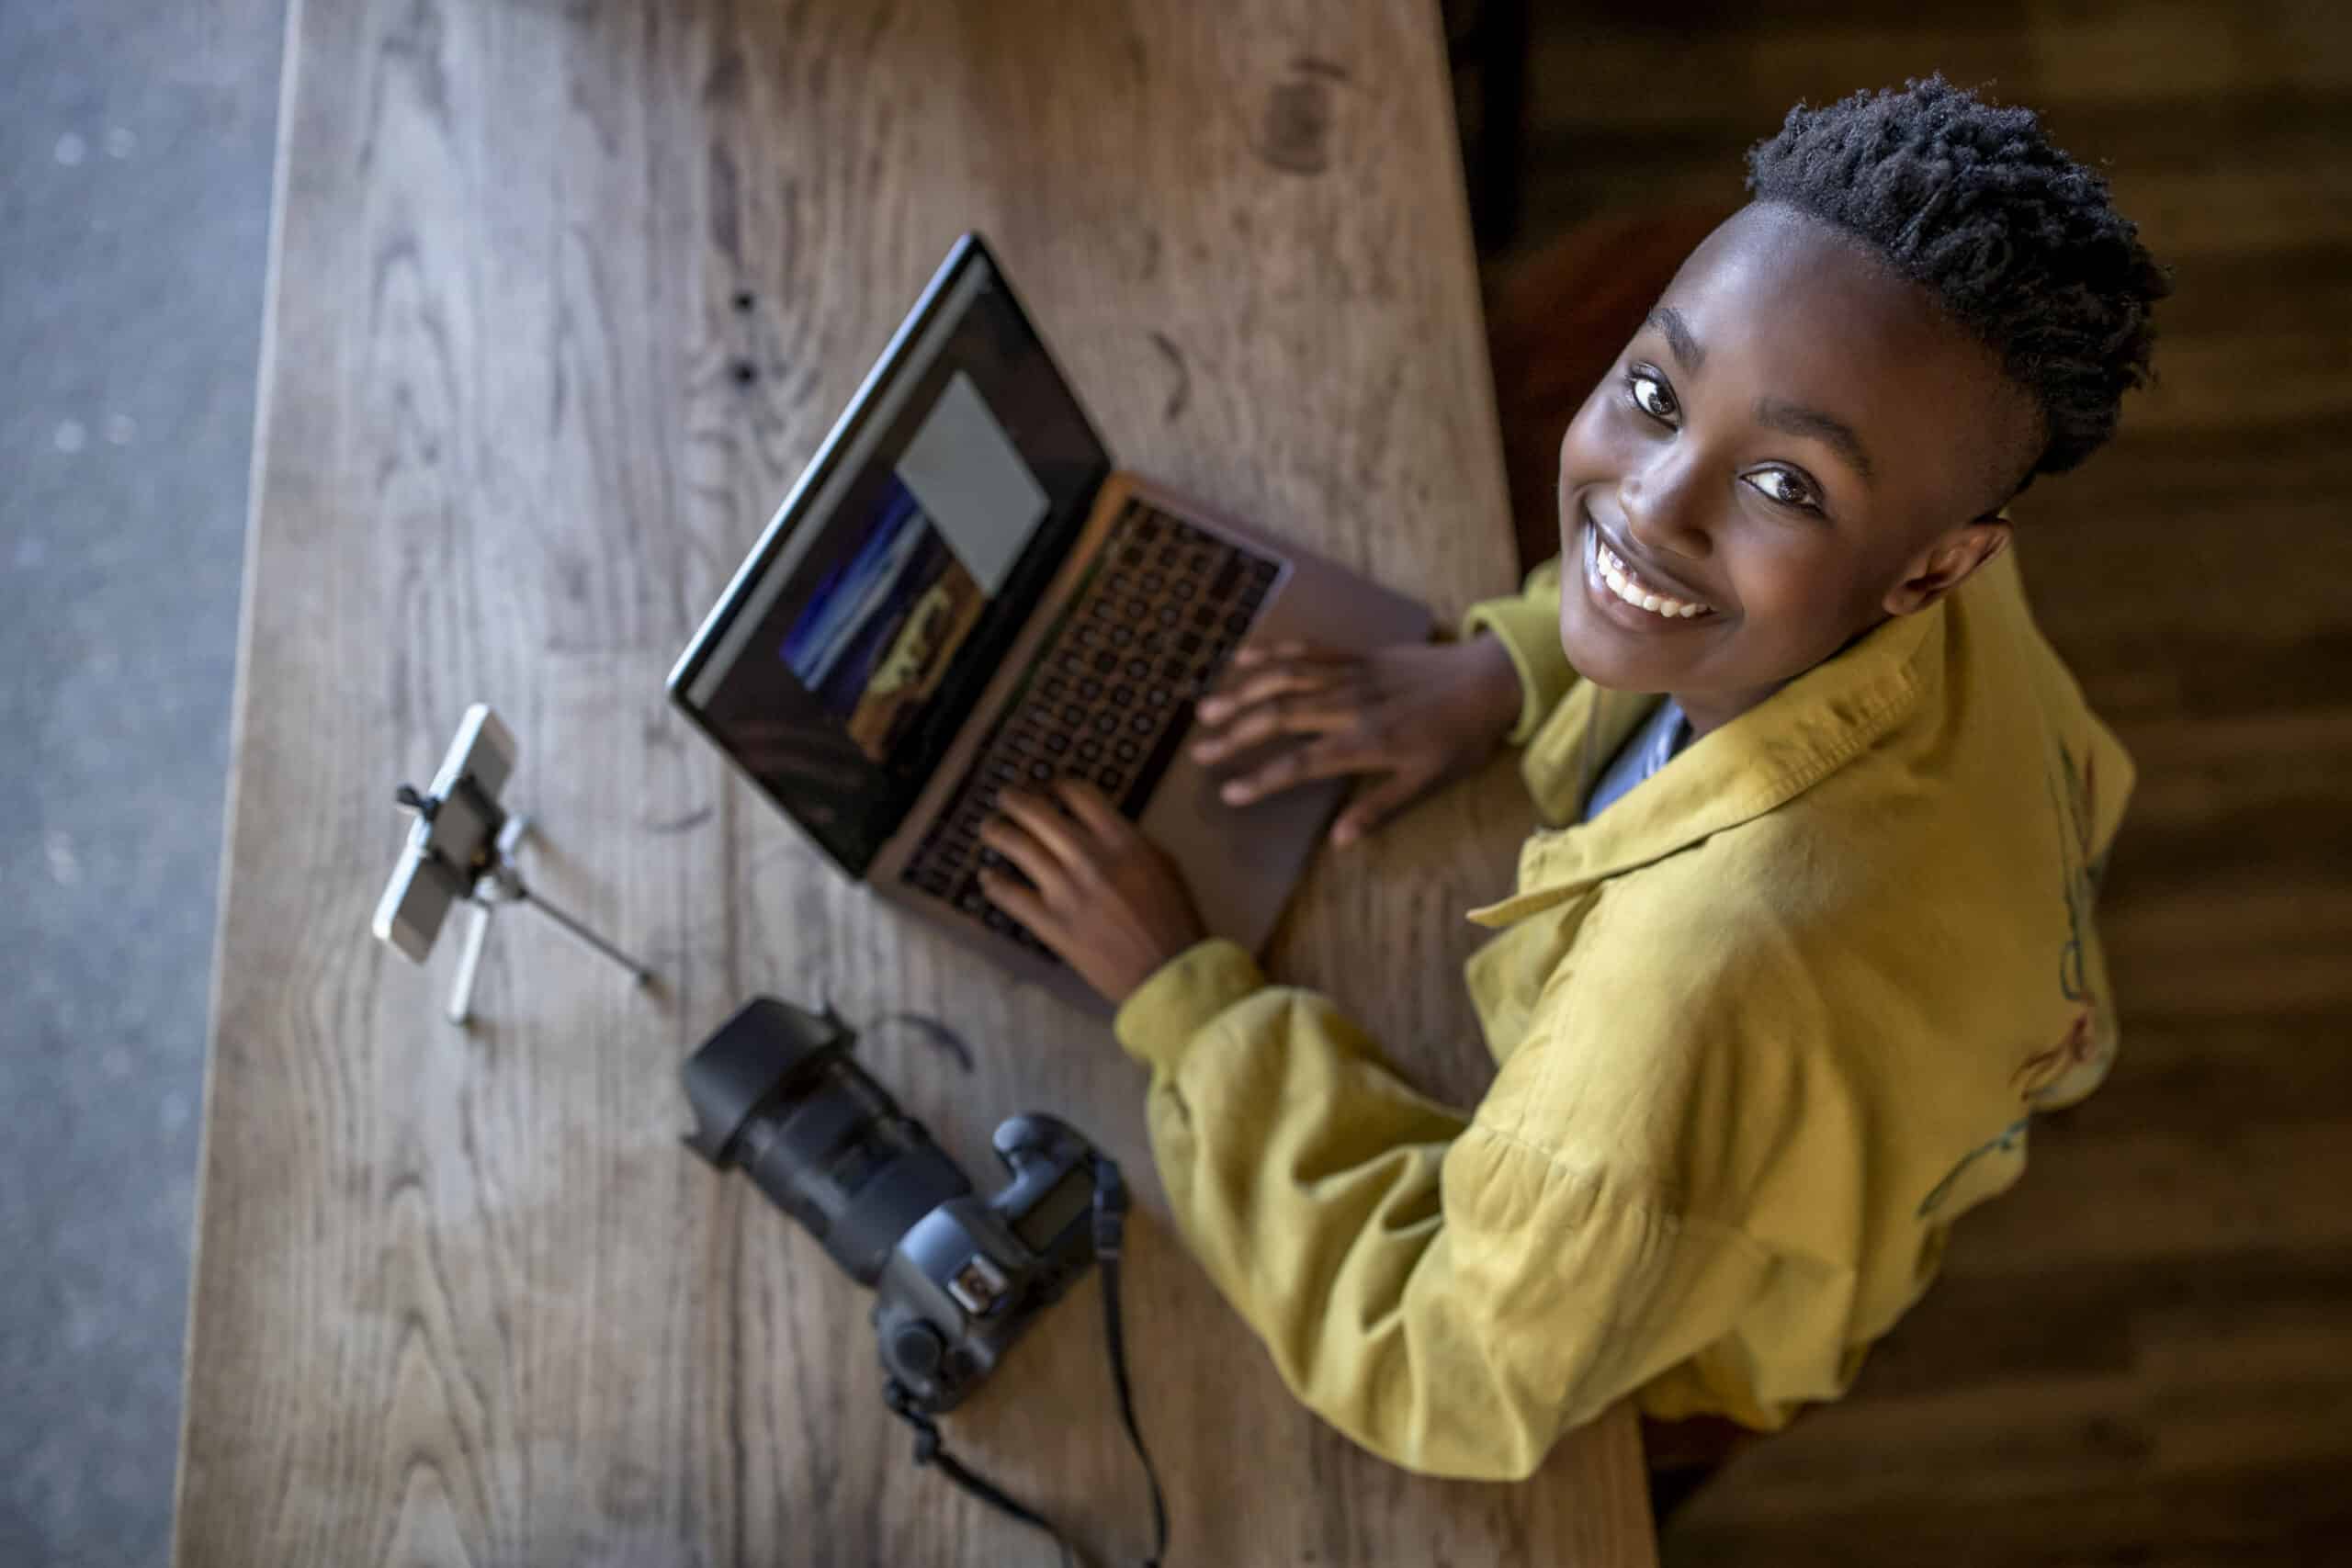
(136, 142)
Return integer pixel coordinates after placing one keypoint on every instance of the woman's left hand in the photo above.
(1100, 893)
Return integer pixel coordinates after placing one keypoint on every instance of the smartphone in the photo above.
(449, 843)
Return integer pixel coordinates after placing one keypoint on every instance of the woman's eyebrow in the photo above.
(1794, 419)
(1669, 320)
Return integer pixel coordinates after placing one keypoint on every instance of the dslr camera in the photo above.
(957, 1278)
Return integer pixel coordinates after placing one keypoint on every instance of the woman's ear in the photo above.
(1949, 562)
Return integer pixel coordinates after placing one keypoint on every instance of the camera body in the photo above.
(958, 1277)
(971, 1275)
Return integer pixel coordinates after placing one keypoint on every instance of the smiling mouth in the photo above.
(1622, 582)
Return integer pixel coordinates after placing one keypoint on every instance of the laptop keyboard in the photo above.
(1110, 694)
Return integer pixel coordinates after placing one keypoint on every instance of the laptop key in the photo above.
(1156, 763)
(1227, 579)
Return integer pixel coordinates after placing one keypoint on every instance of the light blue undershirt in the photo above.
(1648, 749)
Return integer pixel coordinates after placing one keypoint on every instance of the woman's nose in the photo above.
(1664, 504)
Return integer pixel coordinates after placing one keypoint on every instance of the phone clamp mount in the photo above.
(462, 848)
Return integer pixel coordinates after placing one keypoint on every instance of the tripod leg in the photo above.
(461, 999)
(580, 934)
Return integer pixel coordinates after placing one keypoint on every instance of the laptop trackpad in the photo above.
(1242, 862)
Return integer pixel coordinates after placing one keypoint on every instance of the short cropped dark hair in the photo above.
(2021, 244)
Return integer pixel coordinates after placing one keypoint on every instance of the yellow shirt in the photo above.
(1764, 1029)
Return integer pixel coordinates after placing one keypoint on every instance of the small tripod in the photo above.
(492, 880)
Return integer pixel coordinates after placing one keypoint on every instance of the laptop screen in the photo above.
(855, 642)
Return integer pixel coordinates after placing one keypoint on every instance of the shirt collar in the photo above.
(1757, 763)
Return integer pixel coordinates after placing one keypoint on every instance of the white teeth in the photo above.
(1632, 590)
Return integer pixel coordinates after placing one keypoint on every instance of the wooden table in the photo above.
(563, 295)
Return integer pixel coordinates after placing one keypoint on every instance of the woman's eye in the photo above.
(1652, 395)
(1779, 484)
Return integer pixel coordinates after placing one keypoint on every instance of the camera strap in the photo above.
(1110, 1222)
(1110, 1219)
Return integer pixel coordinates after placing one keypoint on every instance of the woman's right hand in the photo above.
(1411, 715)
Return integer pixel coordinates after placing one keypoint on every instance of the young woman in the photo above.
(1811, 934)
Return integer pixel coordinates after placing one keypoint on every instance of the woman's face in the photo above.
(1796, 444)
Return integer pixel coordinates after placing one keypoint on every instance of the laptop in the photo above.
(963, 594)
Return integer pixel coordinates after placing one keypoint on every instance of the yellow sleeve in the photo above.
(1446, 1291)
(1528, 625)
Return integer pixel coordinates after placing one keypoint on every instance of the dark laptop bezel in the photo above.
(968, 250)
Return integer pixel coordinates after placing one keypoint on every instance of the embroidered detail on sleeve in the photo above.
(2078, 1049)
(2008, 1140)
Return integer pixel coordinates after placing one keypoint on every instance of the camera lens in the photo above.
(773, 1093)
(846, 1162)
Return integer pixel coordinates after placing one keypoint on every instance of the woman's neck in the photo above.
(1713, 710)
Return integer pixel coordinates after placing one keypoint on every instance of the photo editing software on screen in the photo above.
(869, 636)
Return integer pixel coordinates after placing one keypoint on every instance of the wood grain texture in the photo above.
(2141, 1355)
(565, 295)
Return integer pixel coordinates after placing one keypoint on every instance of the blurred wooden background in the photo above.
(2144, 1354)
